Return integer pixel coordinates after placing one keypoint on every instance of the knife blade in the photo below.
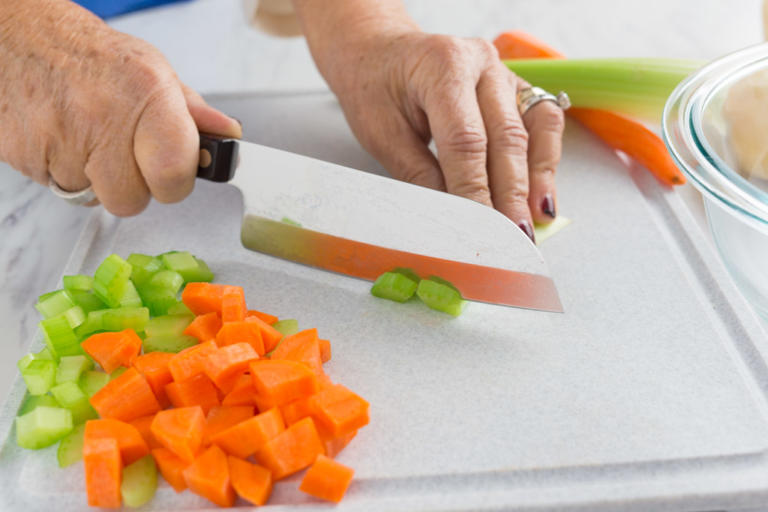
(359, 224)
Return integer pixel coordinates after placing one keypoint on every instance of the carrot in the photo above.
(233, 307)
(143, 425)
(243, 393)
(171, 467)
(269, 334)
(338, 411)
(113, 349)
(222, 417)
(202, 298)
(266, 317)
(302, 347)
(129, 441)
(278, 382)
(247, 437)
(154, 368)
(619, 132)
(251, 482)
(241, 332)
(126, 397)
(191, 361)
(204, 327)
(296, 410)
(225, 365)
(334, 445)
(180, 430)
(198, 390)
(293, 450)
(327, 479)
(103, 472)
(208, 476)
(325, 350)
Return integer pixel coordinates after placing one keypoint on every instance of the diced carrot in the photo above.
(143, 425)
(202, 298)
(241, 332)
(269, 334)
(243, 393)
(198, 390)
(293, 450)
(266, 317)
(278, 382)
(247, 437)
(296, 410)
(252, 482)
(126, 397)
(334, 445)
(338, 411)
(154, 367)
(233, 307)
(225, 365)
(103, 472)
(302, 347)
(325, 350)
(191, 361)
(204, 327)
(171, 467)
(222, 417)
(180, 430)
(132, 446)
(327, 479)
(517, 44)
(113, 349)
(208, 476)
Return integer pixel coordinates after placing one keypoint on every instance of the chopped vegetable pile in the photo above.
(222, 400)
(401, 284)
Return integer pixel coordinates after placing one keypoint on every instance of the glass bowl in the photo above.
(715, 124)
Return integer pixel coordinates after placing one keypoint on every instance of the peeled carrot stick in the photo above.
(103, 472)
(327, 479)
(208, 476)
(251, 481)
(517, 44)
(204, 327)
(131, 444)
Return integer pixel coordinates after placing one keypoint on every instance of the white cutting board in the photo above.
(649, 392)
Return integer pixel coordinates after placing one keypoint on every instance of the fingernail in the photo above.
(527, 229)
(548, 205)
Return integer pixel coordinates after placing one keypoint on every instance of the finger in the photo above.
(208, 119)
(166, 146)
(116, 179)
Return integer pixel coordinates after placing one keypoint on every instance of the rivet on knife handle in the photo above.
(218, 158)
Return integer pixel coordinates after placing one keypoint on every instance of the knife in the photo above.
(359, 224)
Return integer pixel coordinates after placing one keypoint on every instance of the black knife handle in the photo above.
(218, 158)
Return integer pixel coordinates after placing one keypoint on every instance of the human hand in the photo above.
(87, 105)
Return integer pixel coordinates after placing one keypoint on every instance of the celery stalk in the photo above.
(139, 482)
(42, 427)
(71, 447)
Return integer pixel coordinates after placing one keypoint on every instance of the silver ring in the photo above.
(78, 198)
(530, 96)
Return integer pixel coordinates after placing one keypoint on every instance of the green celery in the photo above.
(158, 300)
(54, 303)
(202, 274)
(60, 337)
(94, 322)
(182, 262)
(168, 343)
(287, 327)
(117, 372)
(79, 282)
(75, 316)
(42, 427)
(34, 401)
(143, 267)
(130, 297)
(394, 286)
(71, 447)
(139, 482)
(71, 397)
(179, 308)
(124, 318)
(24, 361)
(167, 325)
(71, 367)
(167, 279)
(441, 296)
(111, 279)
(44, 354)
(87, 300)
(92, 381)
(39, 376)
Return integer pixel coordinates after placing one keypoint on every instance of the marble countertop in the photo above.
(37, 232)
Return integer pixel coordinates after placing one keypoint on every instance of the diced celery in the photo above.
(111, 278)
(24, 361)
(168, 343)
(167, 279)
(71, 367)
(287, 327)
(124, 318)
(70, 396)
(79, 282)
(71, 447)
(167, 325)
(139, 482)
(60, 337)
(75, 316)
(179, 309)
(130, 297)
(441, 296)
(44, 354)
(408, 272)
(92, 381)
(202, 274)
(93, 323)
(39, 376)
(394, 286)
(46, 295)
(42, 427)
(117, 372)
(54, 303)
(182, 262)
(34, 401)
(87, 300)
(143, 267)
(158, 300)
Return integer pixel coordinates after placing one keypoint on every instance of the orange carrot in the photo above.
(247, 437)
(243, 393)
(132, 446)
(241, 332)
(113, 349)
(338, 411)
(154, 368)
(191, 361)
(180, 430)
(278, 382)
(143, 425)
(198, 390)
(222, 417)
(251, 482)
(204, 327)
(103, 472)
(208, 476)
(517, 44)
(225, 365)
(334, 445)
(233, 307)
(302, 347)
(296, 410)
(327, 479)
(202, 298)
(171, 467)
(266, 317)
(325, 350)
(126, 397)
(269, 334)
(293, 450)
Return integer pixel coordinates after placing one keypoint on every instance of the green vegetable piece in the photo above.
(75, 316)
(167, 325)
(87, 300)
(167, 280)
(440, 296)
(139, 482)
(408, 272)
(159, 300)
(143, 267)
(168, 343)
(394, 286)
(130, 297)
(117, 372)
(182, 262)
(78, 282)
(71, 447)
(24, 361)
(54, 303)
(124, 318)
(39, 376)
(180, 309)
(92, 381)
(34, 401)
(44, 354)
(287, 327)
(289, 221)
(60, 337)
(71, 367)
(94, 322)
(70, 396)
(202, 274)
(47, 295)
(42, 427)
(111, 279)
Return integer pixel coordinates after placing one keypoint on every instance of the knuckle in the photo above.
(476, 189)
(486, 49)
(510, 135)
(127, 207)
(469, 141)
(514, 196)
(550, 117)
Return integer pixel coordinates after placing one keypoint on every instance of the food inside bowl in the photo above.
(746, 123)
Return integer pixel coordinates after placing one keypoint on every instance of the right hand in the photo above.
(87, 105)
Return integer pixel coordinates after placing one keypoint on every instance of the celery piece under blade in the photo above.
(54, 303)
(71, 397)
(139, 482)
(440, 296)
(78, 282)
(394, 286)
(71, 447)
(42, 427)
(168, 343)
(72, 367)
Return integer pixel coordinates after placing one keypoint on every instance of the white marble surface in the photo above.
(213, 50)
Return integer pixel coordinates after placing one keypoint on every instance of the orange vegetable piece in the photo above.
(198, 390)
(325, 350)
(171, 467)
(243, 393)
(247, 437)
(208, 476)
(278, 382)
(225, 365)
(338, 411)
(296, 410)
(293, 450)
(269, 334)
(113, 349)
(327, 479)
(222, 417)
(129, 441)
(517, 44)
(241, 332)
(154, 368)
(143, 425)
(103, 472)
(202, 298)
(233, 307)
(126, 397)
(302, 347)
(266, 317)
(191, 361)
(180, 430)
(251, 481)
(333, 446)
(204, 327)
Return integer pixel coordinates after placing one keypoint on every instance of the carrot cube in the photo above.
(278, 382)
(204, 327)
(208, 476)
(190, 361)
(338, 411)
(226, 364)
(180, 430)
(251, 481)
(233, 307)
(222, 417)
(247, 437)
(269, 334)
(103, 472)
(303, 347)
(198, 390)
(241, 332)
(154, 368)
(171, 467)
(113, 349)
(293, 450)
(327, 479)
(126, 397)
(129, 441)
(202, 298)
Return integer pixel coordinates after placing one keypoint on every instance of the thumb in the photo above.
(208, 119)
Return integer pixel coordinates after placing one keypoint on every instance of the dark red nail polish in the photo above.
(527, 229)
(548, 205)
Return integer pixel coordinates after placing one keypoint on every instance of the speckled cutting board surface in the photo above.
(649, 392)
